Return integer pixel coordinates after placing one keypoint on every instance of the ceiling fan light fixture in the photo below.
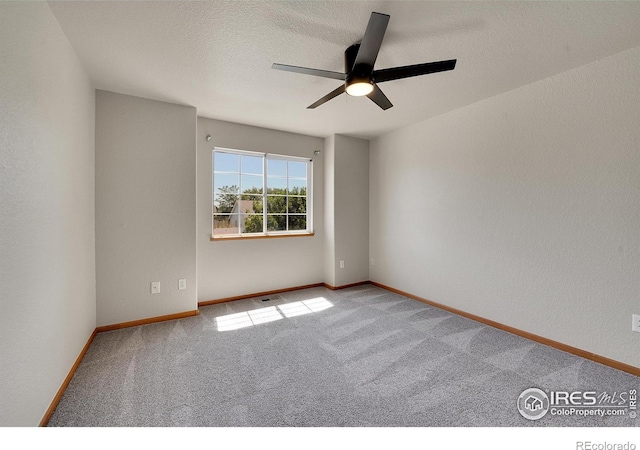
(359, 88)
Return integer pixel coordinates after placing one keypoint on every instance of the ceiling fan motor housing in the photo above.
(355, 74)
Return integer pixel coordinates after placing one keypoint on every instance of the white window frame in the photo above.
(265, 233)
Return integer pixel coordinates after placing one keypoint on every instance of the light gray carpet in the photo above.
(373, 358)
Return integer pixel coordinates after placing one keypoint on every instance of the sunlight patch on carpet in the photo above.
(270, 314)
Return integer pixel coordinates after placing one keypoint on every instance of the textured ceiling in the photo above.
(217, 55)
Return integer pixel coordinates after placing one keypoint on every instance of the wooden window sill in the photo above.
(262, 236)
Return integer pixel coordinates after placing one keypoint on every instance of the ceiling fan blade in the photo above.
(378, 97)
(327, 97)
(307, 71)
(396, 73)
(372, 40)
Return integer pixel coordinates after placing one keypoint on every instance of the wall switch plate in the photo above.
(635, 326)
(373, 261)
(155, 287)
(182, 283)
(342, 264)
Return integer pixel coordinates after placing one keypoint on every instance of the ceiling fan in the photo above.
(359, 77)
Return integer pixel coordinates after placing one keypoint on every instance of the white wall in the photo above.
(47, 238)
(239, 267)
(145, 207)
(329, 254)
(351, 210)
(523, 208)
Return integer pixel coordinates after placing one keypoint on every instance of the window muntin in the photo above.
(246, 203)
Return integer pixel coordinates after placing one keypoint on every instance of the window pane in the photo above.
(298, 187)
(297, 223)
(276, 222)
(244, 207)
(222, 180)
(224, 202)
(225, 224)
(252, 223)
(297, 205)
(226, 162)
(276, 204)
(297, 169)
(234, 221)
(254, 202)
(276, 167)
(251, 184)
(252, 164)
(276, 185)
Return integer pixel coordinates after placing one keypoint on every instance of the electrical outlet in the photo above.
(182, 284)
(155, 287)
(635, 326)
(373, 261)
(342, 264)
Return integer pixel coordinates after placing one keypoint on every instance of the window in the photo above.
(260, 194)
